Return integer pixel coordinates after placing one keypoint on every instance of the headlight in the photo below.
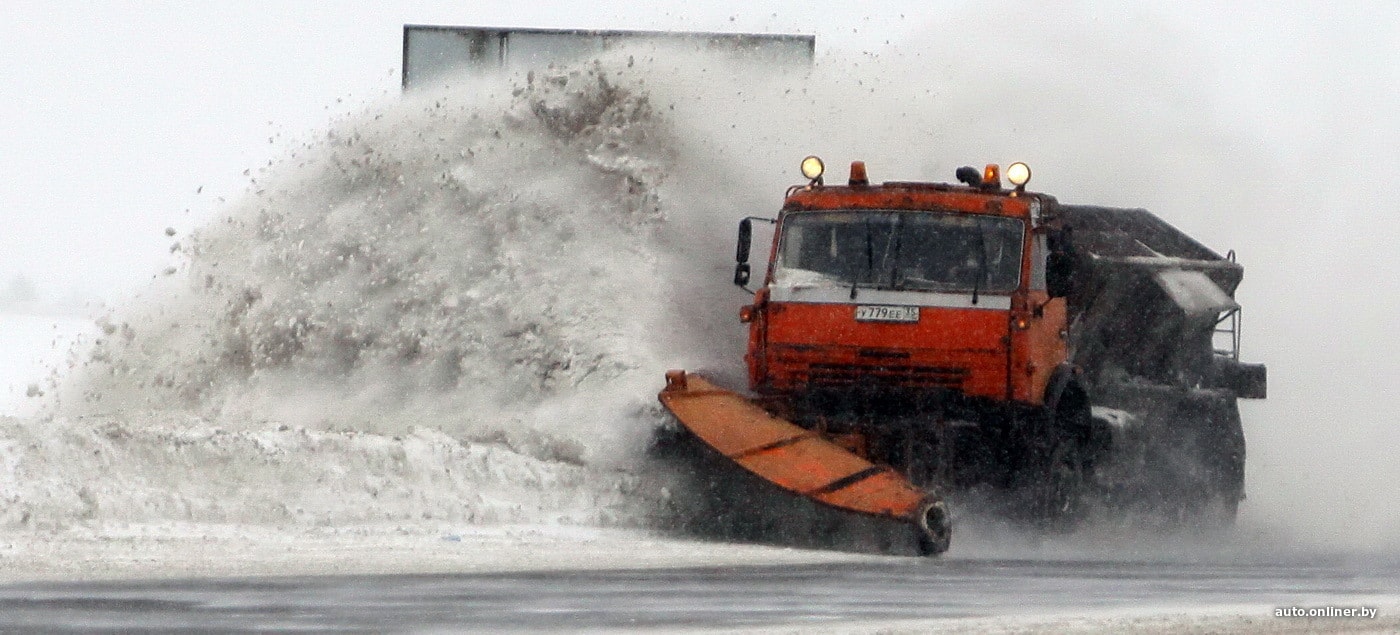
(812, 168)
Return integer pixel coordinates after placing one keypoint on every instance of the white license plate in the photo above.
(879, 313)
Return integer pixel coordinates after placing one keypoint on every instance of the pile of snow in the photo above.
(159, 469)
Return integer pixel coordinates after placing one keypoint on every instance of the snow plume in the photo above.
(489, 252)
(437, 310)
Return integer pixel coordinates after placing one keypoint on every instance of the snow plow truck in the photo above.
(912, 340)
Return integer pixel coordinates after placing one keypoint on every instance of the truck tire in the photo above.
(1220, 451)
(1193, 477)
(1060, 463)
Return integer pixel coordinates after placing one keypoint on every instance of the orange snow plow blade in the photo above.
(798, 460)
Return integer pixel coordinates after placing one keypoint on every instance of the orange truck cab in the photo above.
(908, 288)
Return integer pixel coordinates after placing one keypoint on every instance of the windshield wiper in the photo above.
(869, 259)
(981, 262)
(898, 228)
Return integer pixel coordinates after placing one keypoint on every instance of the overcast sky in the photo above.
(115, 114)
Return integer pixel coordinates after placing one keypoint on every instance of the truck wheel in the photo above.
(1227, 459)
(1217, 501)
(1060, 478)
(1060, 491)
(1204, 461)
(933, 528)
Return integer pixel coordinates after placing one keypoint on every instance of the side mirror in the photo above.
(741, 254)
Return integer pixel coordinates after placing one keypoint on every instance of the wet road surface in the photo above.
(727, 597)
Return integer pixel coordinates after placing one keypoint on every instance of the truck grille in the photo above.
(886, 375)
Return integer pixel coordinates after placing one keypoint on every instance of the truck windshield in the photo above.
(922, 251)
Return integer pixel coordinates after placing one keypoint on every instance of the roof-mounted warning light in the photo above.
(1019, 174)
(812, 169)
(858, 178)
(991, 177)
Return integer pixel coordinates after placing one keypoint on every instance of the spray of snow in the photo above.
(434, 311)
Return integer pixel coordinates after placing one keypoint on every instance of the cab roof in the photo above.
(909, 195)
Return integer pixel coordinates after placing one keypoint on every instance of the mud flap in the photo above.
(801, 461)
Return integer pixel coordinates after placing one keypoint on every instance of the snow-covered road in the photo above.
(551, 579)
(609, 581)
